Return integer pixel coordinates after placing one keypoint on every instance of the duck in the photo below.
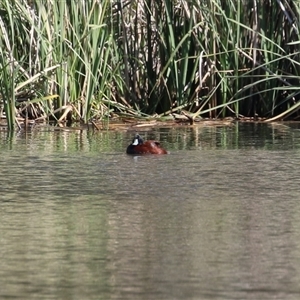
(139, 146)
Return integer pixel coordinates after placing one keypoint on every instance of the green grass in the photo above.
(148, 58)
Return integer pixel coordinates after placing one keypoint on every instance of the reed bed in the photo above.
(93, 60)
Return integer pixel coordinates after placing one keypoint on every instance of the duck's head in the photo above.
(137, 140)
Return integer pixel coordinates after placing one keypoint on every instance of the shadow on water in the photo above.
(236, 136)
(218, 218)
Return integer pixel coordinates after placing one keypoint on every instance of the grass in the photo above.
(148, 59)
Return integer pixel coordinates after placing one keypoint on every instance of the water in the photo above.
(218, 218)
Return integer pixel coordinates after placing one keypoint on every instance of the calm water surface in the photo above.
(218, 218)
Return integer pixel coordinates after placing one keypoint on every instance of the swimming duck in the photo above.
(138, 146)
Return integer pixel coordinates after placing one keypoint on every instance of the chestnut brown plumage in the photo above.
(138, 146)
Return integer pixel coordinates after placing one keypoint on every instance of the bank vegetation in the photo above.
(89, 61)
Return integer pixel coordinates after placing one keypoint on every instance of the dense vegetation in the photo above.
(89, 60)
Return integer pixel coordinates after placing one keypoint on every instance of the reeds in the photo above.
(84, 60)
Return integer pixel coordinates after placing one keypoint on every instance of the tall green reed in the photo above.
(139, 58)
(80, 43)
(8, 65)
(69, 51)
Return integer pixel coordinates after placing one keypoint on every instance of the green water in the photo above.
(217, 218)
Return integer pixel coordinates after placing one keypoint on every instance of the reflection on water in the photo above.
(218, 218)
